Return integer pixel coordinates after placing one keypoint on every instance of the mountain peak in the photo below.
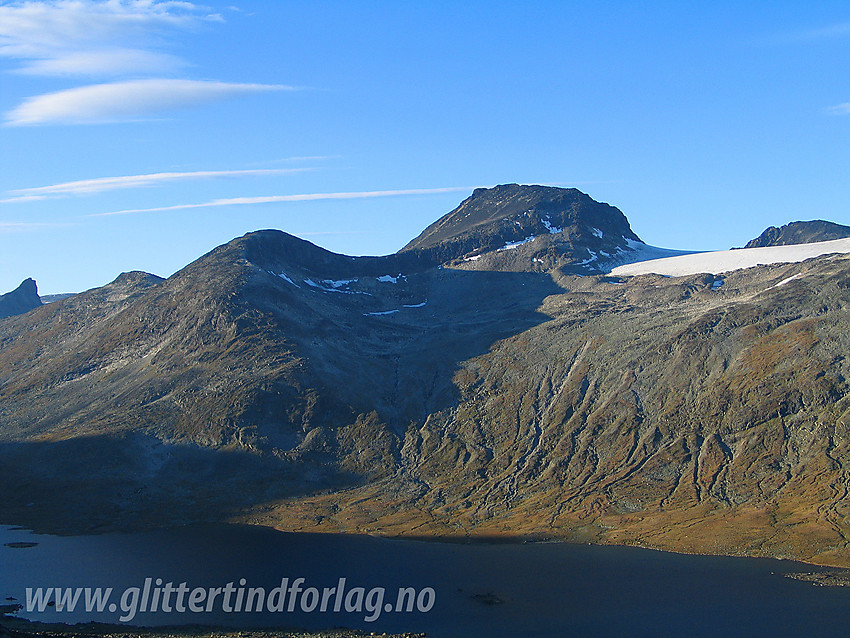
(22, 299)
(510, 212)
(569, 227)
(807, 232)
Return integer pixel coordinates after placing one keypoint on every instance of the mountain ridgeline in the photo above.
(487, 380)
(800, 233)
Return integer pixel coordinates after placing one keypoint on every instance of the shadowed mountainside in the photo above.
(22, 299)
(309, 365)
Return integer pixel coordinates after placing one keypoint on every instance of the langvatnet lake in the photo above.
(534, 589)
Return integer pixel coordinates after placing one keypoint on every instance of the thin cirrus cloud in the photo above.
(838, 30)
(804, 36)
(839, 109)
(102, 184)
(18, 227)
(122, 101)
(109, 40)
(94, 37)
(105, 62)
(248, 201)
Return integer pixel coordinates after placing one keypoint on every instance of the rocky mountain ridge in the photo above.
(273, 382)
(800, 233)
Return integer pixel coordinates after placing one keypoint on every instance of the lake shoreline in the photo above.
(12, 627)
(472, 539)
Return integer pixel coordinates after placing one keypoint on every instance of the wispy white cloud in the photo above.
(248, 201)
(121, 101)
(106, 62)
(297, 158)
(101, 184)
(18, 227)
(115, 39)
(839, 30)
(805, 35)
(839, 109)
(94, 37)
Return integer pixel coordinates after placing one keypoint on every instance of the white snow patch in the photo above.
(415, 305)
(331, 282)
(389, 279)
(473, 258)
(285, 278)
(597, 232)
(593, 257)
(338, 283)
(552, 229)
(378, 314)
(727, 260)
(785, 281)
(513, 245)
(645, 252)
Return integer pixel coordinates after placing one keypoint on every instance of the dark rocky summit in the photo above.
(22, 299)
(464, 386)
(800, 233)
(563, 223)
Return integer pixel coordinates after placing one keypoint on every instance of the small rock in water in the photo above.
(21, 545)
(487, 599)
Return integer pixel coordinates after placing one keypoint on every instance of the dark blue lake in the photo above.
(469, 590)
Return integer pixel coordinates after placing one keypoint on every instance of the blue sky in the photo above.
(139, 134)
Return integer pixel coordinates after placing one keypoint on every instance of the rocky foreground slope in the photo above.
(486, 380)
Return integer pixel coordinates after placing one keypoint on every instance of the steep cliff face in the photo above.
(274, 382)
(22, 299)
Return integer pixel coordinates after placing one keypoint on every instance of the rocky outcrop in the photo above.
(22, 299)
(800, 233)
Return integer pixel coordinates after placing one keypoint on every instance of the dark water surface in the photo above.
(550, 589)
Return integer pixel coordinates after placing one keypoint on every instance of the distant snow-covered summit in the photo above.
(716, 262)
